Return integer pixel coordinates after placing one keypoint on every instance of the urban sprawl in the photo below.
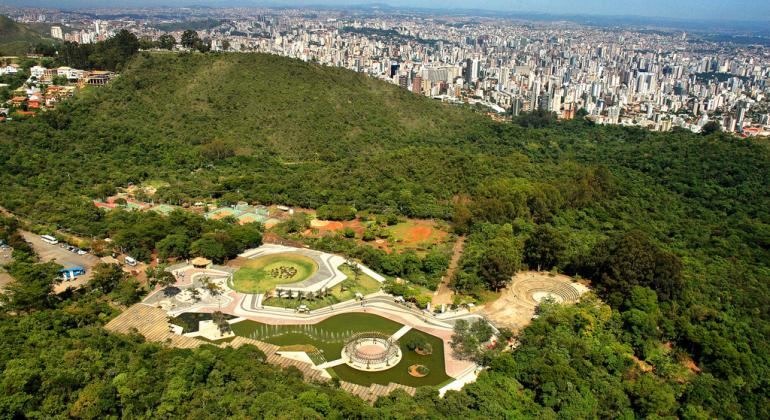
(657, 79)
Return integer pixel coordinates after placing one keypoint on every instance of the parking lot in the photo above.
(64, 257)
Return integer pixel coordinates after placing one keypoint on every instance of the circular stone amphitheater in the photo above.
(517, 303)
(371, 352)
(531, 291)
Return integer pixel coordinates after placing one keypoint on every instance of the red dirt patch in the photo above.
(418, 234)
(326, 225)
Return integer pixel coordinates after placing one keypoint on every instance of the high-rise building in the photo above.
(393, 68)
(468, 71)
(417, 84)
(56, 32)
(403, 81)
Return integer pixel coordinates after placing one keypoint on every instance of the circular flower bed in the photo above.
(419, 371)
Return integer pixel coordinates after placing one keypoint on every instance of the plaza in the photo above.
(323, 335)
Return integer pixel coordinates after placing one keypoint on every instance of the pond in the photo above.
(329, 336)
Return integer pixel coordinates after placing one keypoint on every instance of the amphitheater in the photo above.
(516, 306)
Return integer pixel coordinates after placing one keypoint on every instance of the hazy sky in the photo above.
(684, 9)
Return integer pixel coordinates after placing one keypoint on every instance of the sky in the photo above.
(750, 10)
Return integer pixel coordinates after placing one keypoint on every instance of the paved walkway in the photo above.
(331, 364)
(400, 333)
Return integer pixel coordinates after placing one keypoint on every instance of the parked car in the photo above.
(82, 252)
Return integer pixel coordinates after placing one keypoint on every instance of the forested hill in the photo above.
(672, 228)
(16, 38)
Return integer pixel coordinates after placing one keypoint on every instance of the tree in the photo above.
(106, 277)
(210, 248)
(711, 127)
(190, 39)
(468, 337)
(336, 212)
(221, 322)
(632, 259)
(159, 276)
(210, 286)
(544, 248)
(500, 261)
(33, 288)
(175, 245)
(246, 236)
(225, 45)
(166, 42)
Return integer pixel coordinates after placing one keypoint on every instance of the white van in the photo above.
(130, 261)
(49, 239)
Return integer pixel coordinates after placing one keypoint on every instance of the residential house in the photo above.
(49, 74)
(70, 73)
(9, 69)
(37, 72)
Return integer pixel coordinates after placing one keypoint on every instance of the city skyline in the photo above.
(686, 10)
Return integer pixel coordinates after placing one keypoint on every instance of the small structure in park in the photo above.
(371, 352)
(72, 272)
(200, 262)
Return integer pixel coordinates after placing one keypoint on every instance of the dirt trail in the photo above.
(444, 294)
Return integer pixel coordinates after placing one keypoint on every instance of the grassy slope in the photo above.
(15, 38)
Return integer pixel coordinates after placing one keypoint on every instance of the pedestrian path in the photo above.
(400, 333)
(333, 363)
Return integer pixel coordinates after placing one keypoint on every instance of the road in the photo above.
(48, 252)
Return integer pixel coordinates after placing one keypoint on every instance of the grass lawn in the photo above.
(364, 285)
(265, 273)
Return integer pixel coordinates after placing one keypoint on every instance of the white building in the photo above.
(37, 72)
(56, 32)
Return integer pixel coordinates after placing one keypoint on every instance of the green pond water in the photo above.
(329, 337)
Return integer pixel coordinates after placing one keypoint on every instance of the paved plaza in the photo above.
(180, 298)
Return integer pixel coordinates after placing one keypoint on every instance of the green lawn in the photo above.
(265, 273)
(364, 285)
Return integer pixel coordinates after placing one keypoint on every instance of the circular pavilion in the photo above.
(371, 352)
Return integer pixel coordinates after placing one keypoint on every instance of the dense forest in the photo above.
(672, 229)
